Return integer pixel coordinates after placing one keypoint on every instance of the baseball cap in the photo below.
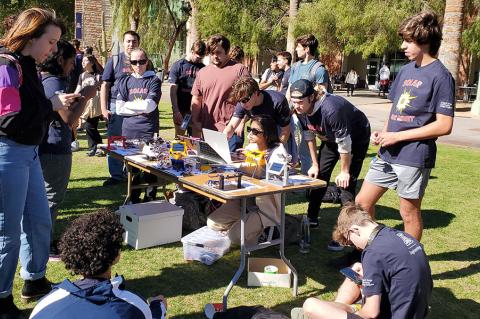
(301, 88)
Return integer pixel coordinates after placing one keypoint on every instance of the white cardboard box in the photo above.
(151, 224)
(257, 277)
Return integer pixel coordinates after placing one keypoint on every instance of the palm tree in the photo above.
(452, 33)
(294, 4)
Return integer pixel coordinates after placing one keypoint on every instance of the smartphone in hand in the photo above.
(352, 275)
(186, 121)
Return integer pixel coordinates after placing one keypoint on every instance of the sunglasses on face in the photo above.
(139, 62)
(254, 131)
(245, 99)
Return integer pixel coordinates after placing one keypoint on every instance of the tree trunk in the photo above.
(192, 29)
(292, 14)
(135, 18)
(171, 44)
(452, 33)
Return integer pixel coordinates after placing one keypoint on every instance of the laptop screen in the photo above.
(218, 141)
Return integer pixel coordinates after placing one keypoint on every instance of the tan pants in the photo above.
(227, 218)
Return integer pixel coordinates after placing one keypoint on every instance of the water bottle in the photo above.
(305, 236)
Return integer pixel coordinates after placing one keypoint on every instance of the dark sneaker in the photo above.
(335, 246)
(35, 289)
(111, 181)
(313, 222)
(91, 152)
(8, 309)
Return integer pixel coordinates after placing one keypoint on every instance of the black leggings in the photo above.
(328, 157)
(350, 88)
(91, 130)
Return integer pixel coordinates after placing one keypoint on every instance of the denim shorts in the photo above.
(409, 182)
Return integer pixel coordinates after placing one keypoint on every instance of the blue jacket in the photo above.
(94, 299)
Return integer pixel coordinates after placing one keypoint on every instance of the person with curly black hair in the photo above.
(90, 247)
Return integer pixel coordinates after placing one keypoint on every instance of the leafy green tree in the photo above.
(471, 34)
(358, 26)
(63, 8)
(160, 23)
(256, 26)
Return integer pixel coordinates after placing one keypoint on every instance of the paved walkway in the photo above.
(466, 129)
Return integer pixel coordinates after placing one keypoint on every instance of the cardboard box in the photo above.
(257, 277)
(151, 224)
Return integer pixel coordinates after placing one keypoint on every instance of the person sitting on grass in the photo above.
(90, 247)
(396, 280)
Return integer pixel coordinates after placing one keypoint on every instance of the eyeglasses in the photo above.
(254, 131)
(139, 62)
(349, 242)
(245, 99)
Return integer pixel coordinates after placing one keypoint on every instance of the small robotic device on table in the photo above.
(277, 171)
(178, 152)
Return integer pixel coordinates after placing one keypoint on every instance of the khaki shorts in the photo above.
(409, 182)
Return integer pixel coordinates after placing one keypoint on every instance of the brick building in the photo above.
(88, 23)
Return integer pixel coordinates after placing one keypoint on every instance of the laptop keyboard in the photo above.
(207, 151)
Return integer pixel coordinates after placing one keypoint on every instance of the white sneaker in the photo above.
(75, 146)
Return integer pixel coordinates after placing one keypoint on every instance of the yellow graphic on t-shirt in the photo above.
(137, 98)
(404, 101)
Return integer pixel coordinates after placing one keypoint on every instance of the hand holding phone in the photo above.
(352, 275)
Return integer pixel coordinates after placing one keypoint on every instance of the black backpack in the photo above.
(293, 230)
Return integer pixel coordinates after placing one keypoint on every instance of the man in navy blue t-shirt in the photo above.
(181, 78)
(396, 280)
(115, 68)
(423, 96)
(345, 134)
(251, 101)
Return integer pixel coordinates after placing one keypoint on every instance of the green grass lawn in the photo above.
(450, 211)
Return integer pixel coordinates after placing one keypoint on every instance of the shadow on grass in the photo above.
(444, 304)
(469, 254)
(432, 218)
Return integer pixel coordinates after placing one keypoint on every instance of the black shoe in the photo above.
(35, 289)
(91, 152)
(8, 309)
(111, 181)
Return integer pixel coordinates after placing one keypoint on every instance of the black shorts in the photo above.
(352, 316)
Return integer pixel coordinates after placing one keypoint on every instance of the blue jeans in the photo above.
(302, 148)
(25, 223)
(115, 167)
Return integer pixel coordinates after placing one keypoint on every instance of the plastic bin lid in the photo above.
(207, 236)
(152, 210)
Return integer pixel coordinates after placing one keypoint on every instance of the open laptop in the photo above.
(214, 148)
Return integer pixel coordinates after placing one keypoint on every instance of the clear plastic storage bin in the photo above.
(205, 245)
